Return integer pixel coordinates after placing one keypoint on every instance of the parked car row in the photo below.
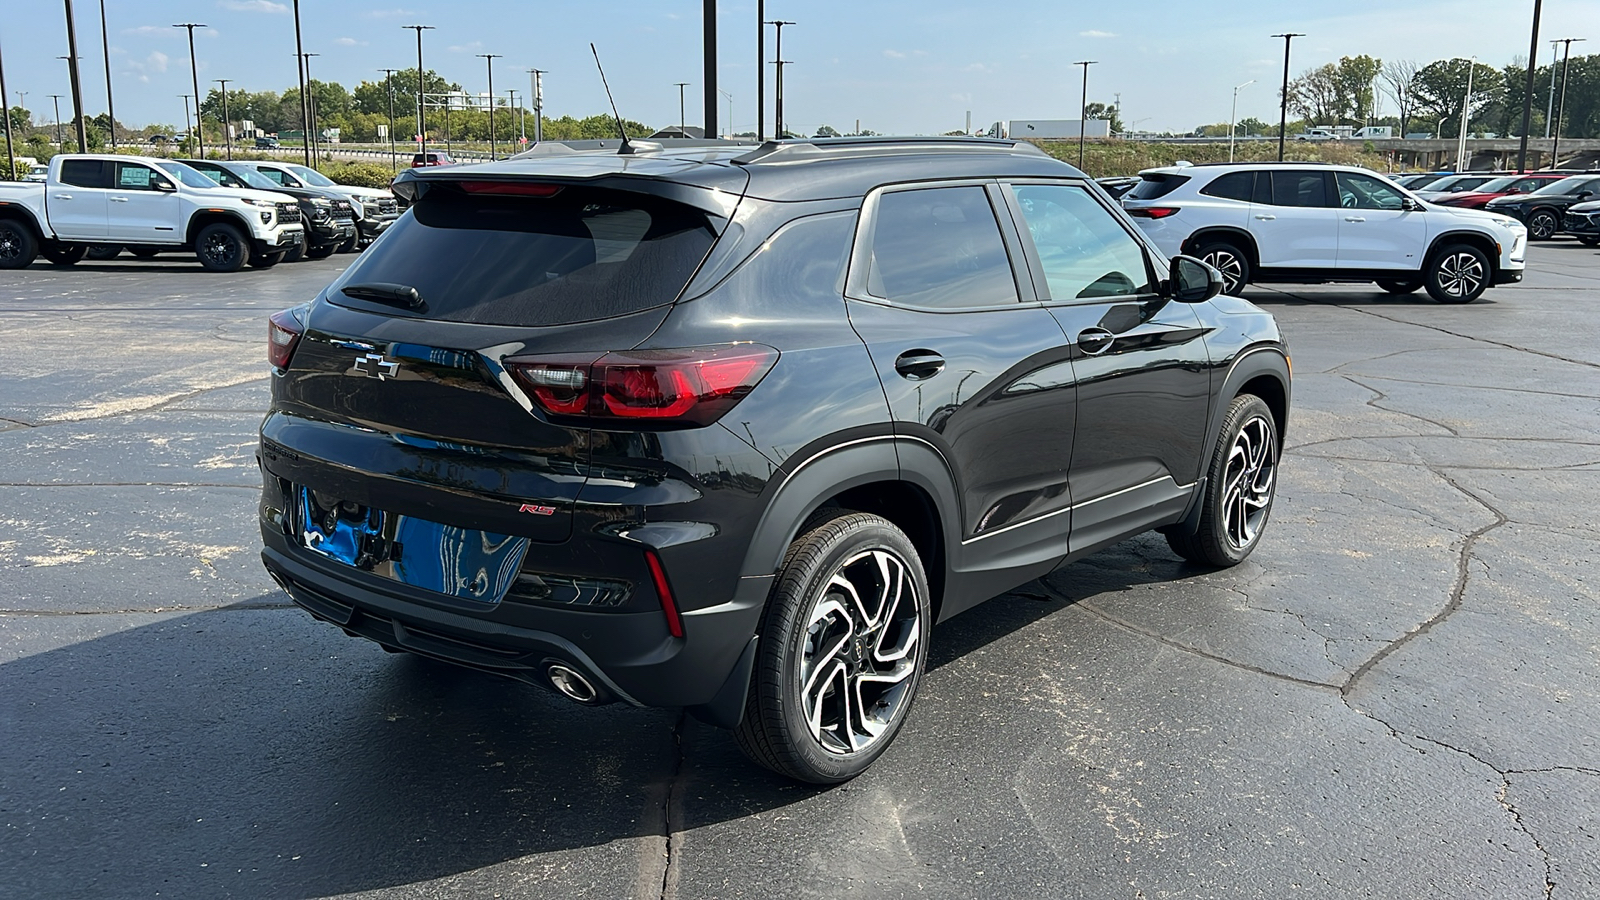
(229, 214)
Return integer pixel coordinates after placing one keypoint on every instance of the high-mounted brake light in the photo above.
(1153, 212)
(283, 334)
(512, 188)
(685, 387)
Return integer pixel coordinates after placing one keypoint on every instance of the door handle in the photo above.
(918, 365)
(1354, 219)
(1265, 218)
(63, 196)
(119, 199)
(1095, 341)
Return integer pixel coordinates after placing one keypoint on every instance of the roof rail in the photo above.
(590, 145)
(800, 149)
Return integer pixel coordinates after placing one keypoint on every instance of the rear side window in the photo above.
(580, 255)
(940, 248)
(1232, 186)
(1299, 189)
(89, 173)
(1155, 184)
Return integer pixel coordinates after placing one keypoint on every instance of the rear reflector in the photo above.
(283, 333)
(694, 386)
(669, 607)
(511, 188)
(1153, 212)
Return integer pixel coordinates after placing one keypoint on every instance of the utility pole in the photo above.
(1561, 105)
(522, 121)
(709, 48)
(1527, 94)
(194, 73)
(388, 84)
(227, 123)
(186, 126)
(489, 58)
(11, 154)
(422, 115)
(77, 89)
(780, 62)
(536, 75)
(1083, 109)
(729, 128)
(105, 45)
(300, 73)
(1234, 116)
(1466, 117)
(683, 130)
(311, 106)
(761, 70)
(61, 142)
(1283, 107)
(1550, 104)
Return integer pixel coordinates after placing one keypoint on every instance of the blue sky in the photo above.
(897, 67)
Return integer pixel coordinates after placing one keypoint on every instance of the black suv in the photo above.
(329, 219)
(730, 428)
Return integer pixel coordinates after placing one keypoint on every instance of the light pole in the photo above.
(761, 70)
(708, 75)
(227, 123)
(388, 84)
(1283, 108)
(1550, 105)
(489, 58)
(1466, 117)
(186, 126)
(1561, 105)
(105, 45)
(1083, 108)
(311, 106)
(730, 110)
(62, 142)
(1527, 94)
(77, 90)
(780, 62)
(194, 73)
(522, 129)
(1233, 117)
(683, 130)
(422, 115)
(300, 73)
(536, 76)
(11, 154)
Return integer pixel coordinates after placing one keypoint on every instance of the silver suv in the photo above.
(1311, 223)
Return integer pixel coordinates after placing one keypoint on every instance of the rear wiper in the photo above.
(383, 292)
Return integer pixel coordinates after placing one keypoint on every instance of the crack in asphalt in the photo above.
(1476, 387)
(1399, 412)
(669, 812)
(1464, 437)
(1463, 468)
(159, 406)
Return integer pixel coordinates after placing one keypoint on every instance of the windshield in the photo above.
(183, 173)
(1436, 184)
(253, 178)
(1565, 186)
(311, 176)
(1496, 185)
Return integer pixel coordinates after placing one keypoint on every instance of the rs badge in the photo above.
(374, 365)
(537, 510)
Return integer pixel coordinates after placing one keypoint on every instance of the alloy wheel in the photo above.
(1460, 274)
(1542, 225)
(1231, 267)
(1248, 482)
(221, 249)
(859, 651)
(10, 244)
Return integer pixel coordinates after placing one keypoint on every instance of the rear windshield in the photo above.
(580, 255)
(1567, 186)
(1154, 184)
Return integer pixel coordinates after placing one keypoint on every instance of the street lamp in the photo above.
(1527, 93)
(77, 90)
(62, 142)
(11, 154)
(489, 58)
(1561, 106)
(1466, 117)
(422, 115)
(388, 84)
(227, 123)
(186, 126)
(194, 73)
(1283, 108)
(311, 107)
(105, 44)
(683, 130)
(780, 62)
(761, 70)
(730, 110)
(1083, 108)
(1233, 117)
(536, 76)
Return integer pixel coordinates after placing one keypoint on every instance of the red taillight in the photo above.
(512, 188)
(669, 607)
(1153, 212)
(283, 333)
(688, 387)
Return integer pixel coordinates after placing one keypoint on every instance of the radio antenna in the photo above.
(625, 148)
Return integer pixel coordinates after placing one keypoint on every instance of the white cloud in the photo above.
(467, 47)
(158, 61)
(141, 68)
(350, 42)
(389, 13)
(152, 31)
(1094, 33)
(266, 6)
(894, 54)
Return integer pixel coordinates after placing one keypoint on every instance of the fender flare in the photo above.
(192, 231)
(18, 211)
(1241, 236)
(1467, 236)
(1253, 362)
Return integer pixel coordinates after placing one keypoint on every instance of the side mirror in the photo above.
(1584, 195)
(1192, 281)
(1410, 205)
(163, 185)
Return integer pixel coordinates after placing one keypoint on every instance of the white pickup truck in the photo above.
(148, 205)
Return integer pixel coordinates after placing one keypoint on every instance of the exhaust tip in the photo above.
(570, 683)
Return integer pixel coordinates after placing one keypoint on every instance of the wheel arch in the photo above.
(200, 220)
(1237, 236)
(1262, 370)
(1476, 239)
(19, 213)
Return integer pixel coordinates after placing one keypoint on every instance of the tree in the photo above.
(1353, 77)
(1441, 86)
(1105, 112)
(1254, 126)
(827, 131)
(21, 120)
(1316, 95)
(1399, 76)
(371, 97)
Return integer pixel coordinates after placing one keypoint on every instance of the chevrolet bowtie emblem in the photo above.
(373, 365)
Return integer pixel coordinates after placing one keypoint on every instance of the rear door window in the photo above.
(89, 173)
(940, 248)
(580, 255)
(1154, 185)
(1232, 186)
(1299, 189)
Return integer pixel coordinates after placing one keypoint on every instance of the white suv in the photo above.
(1309, 223)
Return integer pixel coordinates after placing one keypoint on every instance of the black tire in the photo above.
(295, 253)
(322, 252)
(1458, 273)
(267, 260)
(1400, 285)
(1244, 462)
(63, 254)
(18, 247)
(145, 252)
(815, 640)
(103, 252)
(1230, 260)
(1543, 225)
(351, 245)
(220, 247)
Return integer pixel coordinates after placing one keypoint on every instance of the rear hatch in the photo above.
(396, 401)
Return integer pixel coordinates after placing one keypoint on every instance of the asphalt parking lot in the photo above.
(1396, 696)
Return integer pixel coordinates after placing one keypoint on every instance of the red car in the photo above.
(431, 158)
(1501, 187)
